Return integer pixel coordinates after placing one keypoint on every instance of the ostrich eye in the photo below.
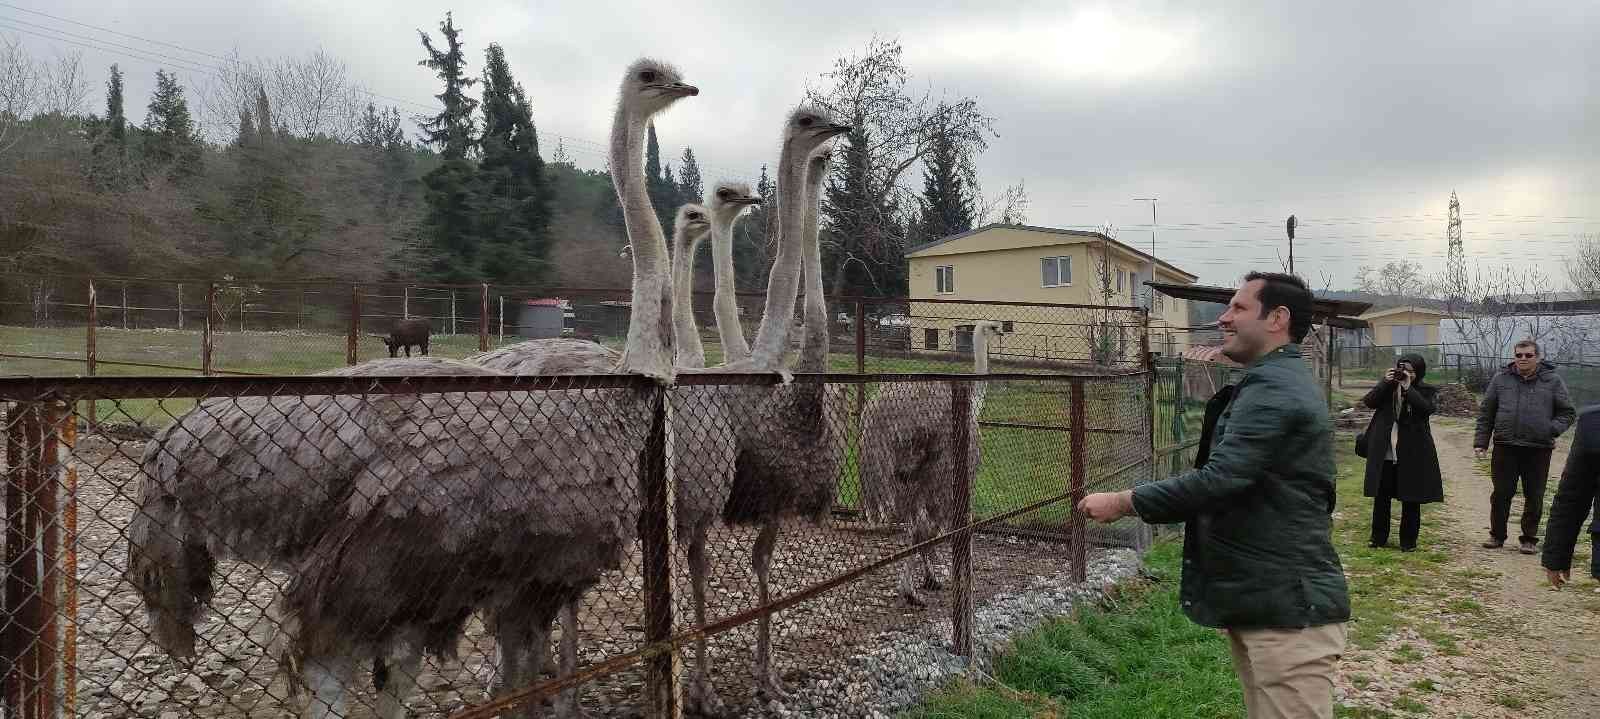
(807, 121)
(648, 76)
(725, 194)
(694, 215)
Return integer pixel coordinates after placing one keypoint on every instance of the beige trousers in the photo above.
(1288, 673)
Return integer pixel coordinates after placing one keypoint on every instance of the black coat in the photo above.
(1417, 477)
(1579, 489)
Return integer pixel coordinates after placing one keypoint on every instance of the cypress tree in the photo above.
(515, 207)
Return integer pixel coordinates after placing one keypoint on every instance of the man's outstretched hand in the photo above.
(1107, 507)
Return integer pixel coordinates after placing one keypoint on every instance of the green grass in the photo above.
(1142, 658)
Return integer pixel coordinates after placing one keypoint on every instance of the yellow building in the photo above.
(1023, 264)
(1404, 326)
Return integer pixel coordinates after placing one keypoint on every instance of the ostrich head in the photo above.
(652, 86)
(728, 199)
(988, 329)
(692, 220)
(809, 128)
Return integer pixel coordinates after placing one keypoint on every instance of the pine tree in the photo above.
(863, 235)
(452, 129)
(451, 188)
(514, 215)
(946, 202)
(247, 130)
(172, 142)
(109, 164)
(752, 238)
(663, 190)
(264, 116)
(690, 187)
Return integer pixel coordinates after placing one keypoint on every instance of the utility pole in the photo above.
(1291, 225)
(1149, 301)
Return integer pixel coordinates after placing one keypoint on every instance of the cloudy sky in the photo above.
(1359, 117)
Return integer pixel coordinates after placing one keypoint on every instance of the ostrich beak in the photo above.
(748, 201)
(681, 89)
(834, 128)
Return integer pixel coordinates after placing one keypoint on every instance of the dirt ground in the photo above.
(1526, 650)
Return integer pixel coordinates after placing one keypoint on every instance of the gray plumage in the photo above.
(555, 356)
(908, 455)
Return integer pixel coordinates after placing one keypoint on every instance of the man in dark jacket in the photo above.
(1258, 556)
(1579, 489)
(1524, 409)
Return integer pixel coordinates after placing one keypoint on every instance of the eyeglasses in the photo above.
(1528, 355)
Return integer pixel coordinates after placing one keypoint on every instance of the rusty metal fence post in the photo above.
(21, 576)
(664, 694)
(483, 318)
(91, 353)
(961, 436)
(1079, 548)
(355, 325)
(207, 339)
(31, 637)
(69, 569)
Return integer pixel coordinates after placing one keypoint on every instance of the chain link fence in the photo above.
(55, 326)
(470, 545)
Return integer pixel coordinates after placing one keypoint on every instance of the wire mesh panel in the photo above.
(923, 335)
(387, 540)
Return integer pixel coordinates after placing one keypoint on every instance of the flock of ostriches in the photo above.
(397, 516)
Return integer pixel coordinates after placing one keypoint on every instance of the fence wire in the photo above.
(434, 545)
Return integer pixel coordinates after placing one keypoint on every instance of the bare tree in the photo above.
(1489, 308)
(1010, 208)
(19, 90)
(1584, 270)
(1402, 278)
(309, 96)
(867, 205)
(65, 85)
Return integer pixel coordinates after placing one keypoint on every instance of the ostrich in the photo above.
(728, 201)
(260, 480)
(689, 229)
(907, 458)
(788, 452)
(703, 454)
(379, 562)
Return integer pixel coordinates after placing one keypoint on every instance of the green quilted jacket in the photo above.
(1257, 546)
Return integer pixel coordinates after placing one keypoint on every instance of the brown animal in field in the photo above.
(407, 333)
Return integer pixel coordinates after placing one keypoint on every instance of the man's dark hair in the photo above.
(1527, 343)
(1289, 292)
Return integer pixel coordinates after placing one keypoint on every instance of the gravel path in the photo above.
(853, 651)
(1525, 650)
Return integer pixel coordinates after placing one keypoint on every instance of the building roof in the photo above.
(1338, 313)
(1085, 235)
(1402, 310)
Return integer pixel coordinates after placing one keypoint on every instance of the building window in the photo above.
(1055, 271)
(944, 279)
(930, 339)
(1007, 326)
(1119, 282)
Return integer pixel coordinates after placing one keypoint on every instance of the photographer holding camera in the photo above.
(1401, 460)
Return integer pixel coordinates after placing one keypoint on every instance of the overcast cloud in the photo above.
(1358, 117)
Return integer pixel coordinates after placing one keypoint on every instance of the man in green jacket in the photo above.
(1258, 556)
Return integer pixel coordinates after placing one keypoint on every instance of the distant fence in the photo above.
(1582, 379)
(227, 327)
(294, 487)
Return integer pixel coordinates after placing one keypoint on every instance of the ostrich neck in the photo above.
(647, 348)
(980, 353)
(814, 342)
(725, 302)
(772, 339)
(685, 334)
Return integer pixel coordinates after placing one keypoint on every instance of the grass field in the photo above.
(1020, 466)
(1142, 658)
